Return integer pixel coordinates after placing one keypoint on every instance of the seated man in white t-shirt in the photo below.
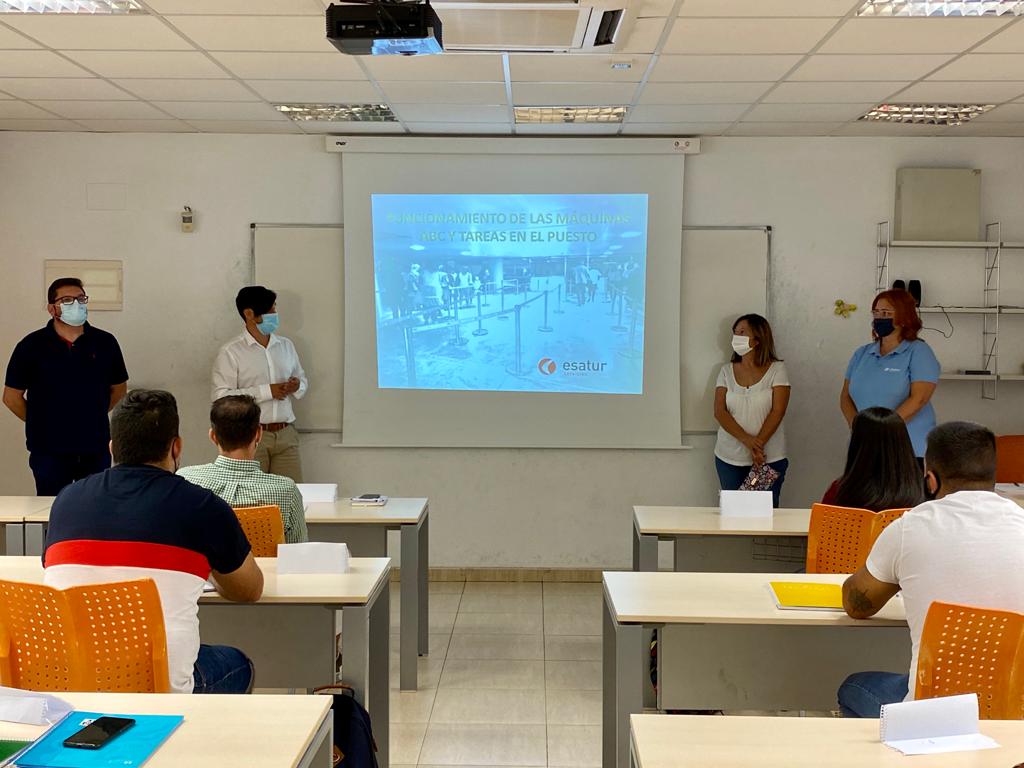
(964, 547)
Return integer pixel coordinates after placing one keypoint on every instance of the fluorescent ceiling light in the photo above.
(338, 113)
(941, 8)
(71, 6)
(927, 114)
(570, 114)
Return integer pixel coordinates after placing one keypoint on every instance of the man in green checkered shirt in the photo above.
(236, 476)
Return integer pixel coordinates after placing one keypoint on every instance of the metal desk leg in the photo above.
(424, 581)
(412, 591)
(645, 551)
(365, 637)
(35, 535)
(622, 691)
(319, 753)
(14, 539)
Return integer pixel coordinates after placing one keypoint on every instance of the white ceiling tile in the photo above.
(975, 128)
(907, 35)
(245, 126)
(576, 94)
(291, 66)
(98, 32)
(745, 36)
(820, 113)
(582, 68)
(5, 95)
(879, 128)
(702, 93)
(190, 89)
(408, 92)
(783, 129)
(687, 113)
(138, 126)
(722, 68)
(11, 39)
(316, 91)
(240, 7)
(65, 89)
(39, 125)
(933, 91)
(209, 110)
(315, 126)
(653, 8)
(894, 67)
(832, 8)
(459, 128)
(451, 113)
(103, 110)
(37, 64)
(1010, 40)
(676, 129)
(984, 66)
(462, 67)
(1007, 113)
(642, 36)
(831, 93)
(576, 129)
(256, 33)
(20, 109)
(147, 63)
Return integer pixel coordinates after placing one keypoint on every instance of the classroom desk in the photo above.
(724, 645)
(365, 530)
(218, 731)
(679, 741)
(13, 511)
(290, 632)
(705, 541)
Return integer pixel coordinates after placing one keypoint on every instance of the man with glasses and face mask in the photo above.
(62, 380)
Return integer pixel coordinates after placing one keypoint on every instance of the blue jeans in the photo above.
(731, 477)
(222, 669)
(863, 694)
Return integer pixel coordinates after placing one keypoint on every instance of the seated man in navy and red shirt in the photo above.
(141, 521)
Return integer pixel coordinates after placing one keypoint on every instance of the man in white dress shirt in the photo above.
(265, 366)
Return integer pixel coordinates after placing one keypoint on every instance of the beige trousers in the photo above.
(278, 453)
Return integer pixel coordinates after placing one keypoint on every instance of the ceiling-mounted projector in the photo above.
(384, 28)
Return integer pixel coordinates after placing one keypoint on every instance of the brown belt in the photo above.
(277, 426)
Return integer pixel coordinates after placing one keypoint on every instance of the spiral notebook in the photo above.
(128, 750)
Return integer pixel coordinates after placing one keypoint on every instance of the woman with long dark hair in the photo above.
(751, 398)
(881, 470)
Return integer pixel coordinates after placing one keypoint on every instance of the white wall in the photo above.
(494, 507)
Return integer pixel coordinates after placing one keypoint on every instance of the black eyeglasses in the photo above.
(67, 301)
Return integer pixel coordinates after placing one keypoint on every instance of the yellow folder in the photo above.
(805, 595)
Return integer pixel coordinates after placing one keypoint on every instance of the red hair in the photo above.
(906, 316)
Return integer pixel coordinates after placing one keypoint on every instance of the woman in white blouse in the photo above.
(751, 398)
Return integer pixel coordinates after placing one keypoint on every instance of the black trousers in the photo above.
(54, 471)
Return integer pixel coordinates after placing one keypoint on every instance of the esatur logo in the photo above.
(547, 366)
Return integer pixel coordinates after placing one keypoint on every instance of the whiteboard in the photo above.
(304, 264)
(724, 275)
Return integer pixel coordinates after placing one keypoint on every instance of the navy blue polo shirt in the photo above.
(68, 388)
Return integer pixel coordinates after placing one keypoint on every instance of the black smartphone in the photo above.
(99, 732)
(370, 496)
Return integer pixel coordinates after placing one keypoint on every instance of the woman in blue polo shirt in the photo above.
(897, 370)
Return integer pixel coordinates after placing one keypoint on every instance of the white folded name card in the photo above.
(318, 492)
(312, 557)
(746, 504)
(933, 726)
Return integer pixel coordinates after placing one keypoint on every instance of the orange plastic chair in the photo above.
(1010, 459)
(102, 637)
(839, 538)
(263, 528)
(974, 650)
(884, 518)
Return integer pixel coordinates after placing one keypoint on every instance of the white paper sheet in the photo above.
(934, 726)
(318, 492)
(30, 707)
(312, 557)
(746, 504)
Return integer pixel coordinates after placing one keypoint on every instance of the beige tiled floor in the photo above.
(513, 679)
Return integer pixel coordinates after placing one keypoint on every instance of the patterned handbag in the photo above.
(761, 478)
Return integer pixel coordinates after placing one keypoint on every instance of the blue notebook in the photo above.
(129, 749)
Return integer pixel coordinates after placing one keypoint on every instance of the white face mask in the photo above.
(741, 345)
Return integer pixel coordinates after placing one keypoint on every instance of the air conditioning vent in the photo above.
(608, 27)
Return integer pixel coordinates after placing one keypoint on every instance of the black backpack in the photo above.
(354, 746)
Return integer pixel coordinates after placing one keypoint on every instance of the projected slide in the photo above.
(528, 293)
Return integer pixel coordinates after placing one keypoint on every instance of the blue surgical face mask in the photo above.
(883, 326)
(269, 323)
(74, 314)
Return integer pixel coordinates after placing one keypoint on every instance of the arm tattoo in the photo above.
(860, 603)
